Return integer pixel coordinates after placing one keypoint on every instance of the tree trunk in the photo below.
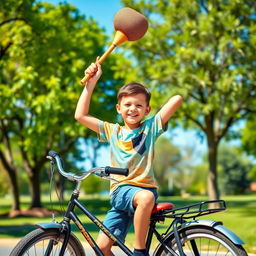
(212, 182)
(10, 169)
(35, 189)
(14, 190)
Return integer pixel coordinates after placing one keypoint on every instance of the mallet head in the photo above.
(131, 23)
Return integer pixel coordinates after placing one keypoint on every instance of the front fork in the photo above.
(66, 230)
(63, 229)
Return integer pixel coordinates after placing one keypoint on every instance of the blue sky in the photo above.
(101, 10)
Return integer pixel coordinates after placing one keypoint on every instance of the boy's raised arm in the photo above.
(83, 105)
(169, 108)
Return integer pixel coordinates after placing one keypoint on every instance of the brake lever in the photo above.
(109, 178)
(51, 159)
(104, 176)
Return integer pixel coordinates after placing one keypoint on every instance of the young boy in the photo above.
(131, 146)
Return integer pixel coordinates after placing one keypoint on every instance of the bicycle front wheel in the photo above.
(47, 242)
(204, 242)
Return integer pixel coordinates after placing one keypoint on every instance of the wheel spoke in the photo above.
(194, 247)
(209, 246)
(217, 250)
(49, 248)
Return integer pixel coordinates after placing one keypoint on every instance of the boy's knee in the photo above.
(104, 244)
(144, 198)
(106, 249)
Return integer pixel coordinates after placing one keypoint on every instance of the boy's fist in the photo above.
(94, 71)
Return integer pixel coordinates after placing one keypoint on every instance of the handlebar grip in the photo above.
(114, 170)
(56, 158)
(53, 153)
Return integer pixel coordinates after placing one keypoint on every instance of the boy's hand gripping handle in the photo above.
(103, 57)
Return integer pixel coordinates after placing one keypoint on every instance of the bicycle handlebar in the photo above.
(101, 171)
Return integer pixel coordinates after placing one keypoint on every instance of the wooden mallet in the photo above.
(129, 25)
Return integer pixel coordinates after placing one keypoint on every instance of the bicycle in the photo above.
(186, 235)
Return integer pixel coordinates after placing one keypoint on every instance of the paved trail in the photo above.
(6, 246)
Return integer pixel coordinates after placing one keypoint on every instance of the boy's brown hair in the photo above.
(131, 89)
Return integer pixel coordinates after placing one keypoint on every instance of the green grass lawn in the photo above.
(240, 217)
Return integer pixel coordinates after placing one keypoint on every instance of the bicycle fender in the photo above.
(216, 225)
(49, 225)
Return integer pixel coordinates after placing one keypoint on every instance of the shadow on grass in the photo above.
(16, 231)
(98, 206)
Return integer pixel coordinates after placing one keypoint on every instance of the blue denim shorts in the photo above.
(120, 217)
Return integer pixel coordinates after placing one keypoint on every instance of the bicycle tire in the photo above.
(208, 242)
(35, 243)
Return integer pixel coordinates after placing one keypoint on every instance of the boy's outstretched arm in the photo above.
(83, 105)
(169, 108)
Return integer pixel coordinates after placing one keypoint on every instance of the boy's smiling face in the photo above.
(133, 108)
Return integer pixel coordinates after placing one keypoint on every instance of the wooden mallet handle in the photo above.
(119, 38)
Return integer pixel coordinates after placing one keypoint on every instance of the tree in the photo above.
(184, 175)
(43, 52)
(3, 181)
(167, 157)
(234, 168)
(85, 159)
(203, 50)
(248, 142)
(173, 167)
(199, 179)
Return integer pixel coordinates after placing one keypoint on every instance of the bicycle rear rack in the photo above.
(195, 210)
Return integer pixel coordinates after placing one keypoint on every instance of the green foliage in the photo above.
(249, 140)
(43, 52)
(185, 174)
(204, 51)
(234, 169)
(41, 71)
(166, 160)
(252, 173)
(198, 185)
(174, 169)
(94, 185)
(3, 182)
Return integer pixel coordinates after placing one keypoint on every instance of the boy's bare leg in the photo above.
(144, 202)
(105, 244)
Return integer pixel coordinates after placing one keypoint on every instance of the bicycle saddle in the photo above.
(162, 206)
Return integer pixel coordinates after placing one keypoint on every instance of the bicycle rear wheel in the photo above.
(203, 241)
(47, 242)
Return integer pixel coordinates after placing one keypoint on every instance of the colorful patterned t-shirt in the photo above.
(132, 149)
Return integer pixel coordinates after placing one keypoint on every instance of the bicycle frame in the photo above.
(64, 227)
(71, 215)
